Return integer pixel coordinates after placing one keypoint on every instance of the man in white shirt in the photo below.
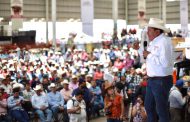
(76, 108)
(159, 70)
(40, 104)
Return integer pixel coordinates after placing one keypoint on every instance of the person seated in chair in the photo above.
(27, 95)
(4, 117)
(97, 100)
(15, 106)
(40, 104)
(55, 100)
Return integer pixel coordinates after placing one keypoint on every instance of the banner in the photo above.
(184, 17)
(87, 16)
(141, 13)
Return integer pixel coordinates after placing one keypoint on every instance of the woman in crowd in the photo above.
(114, 107)
(138, 111)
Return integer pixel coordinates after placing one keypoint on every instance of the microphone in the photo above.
(145, 44)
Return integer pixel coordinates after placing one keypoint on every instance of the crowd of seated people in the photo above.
(72, 84)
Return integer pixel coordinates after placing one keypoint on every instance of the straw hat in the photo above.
(158, 23)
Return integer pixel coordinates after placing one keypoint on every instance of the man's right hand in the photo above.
(77, 108)
(18, 103)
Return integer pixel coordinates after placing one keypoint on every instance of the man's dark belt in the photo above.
(159, 77)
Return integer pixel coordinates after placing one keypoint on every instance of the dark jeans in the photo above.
(113, 120)
(156, 100)
(20, 115)
(96, 108)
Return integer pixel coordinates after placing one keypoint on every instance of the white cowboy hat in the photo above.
(17, 85)
(115, 69)
(65, 82)
(38, 87)
(74, 76)
(51, 85)
(158, 23)
(89, 75)
(83, 73)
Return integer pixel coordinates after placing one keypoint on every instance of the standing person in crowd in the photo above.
(113, 103)
(138, 111)
(176, 102)
(55, 100)
(40, 104)
(159, 70)
(97, 100)
(15, 106)
(76, 108)
(86, 95)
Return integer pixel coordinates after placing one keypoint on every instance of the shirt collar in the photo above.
(158, 38)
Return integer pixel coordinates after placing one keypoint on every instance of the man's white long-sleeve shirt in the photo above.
(39, 101)
(160, 60)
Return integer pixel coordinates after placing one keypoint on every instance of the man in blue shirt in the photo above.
(97, 100)
(15, 106)
(55, 100)
(112, 56)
